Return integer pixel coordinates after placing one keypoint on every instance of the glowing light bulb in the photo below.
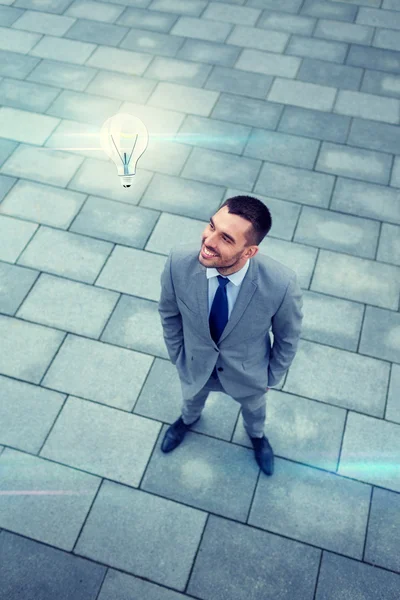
(124, 138)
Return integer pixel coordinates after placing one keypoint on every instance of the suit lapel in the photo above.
(247, 289)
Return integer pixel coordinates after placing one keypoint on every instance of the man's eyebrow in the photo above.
(226, 234)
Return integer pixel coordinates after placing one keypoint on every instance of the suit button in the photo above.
(220, 369)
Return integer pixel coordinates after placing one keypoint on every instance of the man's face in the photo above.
(224, 236)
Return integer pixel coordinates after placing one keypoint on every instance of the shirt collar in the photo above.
(236, 278)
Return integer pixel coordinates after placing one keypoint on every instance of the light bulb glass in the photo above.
(124, 138)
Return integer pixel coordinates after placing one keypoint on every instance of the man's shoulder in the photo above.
(274, 267)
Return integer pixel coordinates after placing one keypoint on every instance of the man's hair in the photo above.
(252, 210)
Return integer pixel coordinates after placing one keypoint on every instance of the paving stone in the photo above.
(390, 4)
(395, 179)
(313, 48)
(68, 305)
(15, 282)
(27, 414)
(59, 74)
(120, 586)
(122, 61)
(331, 321)
(27, 96)
(66, 254)
(190, 476)
(41, 164)
(339, 377)
(151, 42)
(287, 6)
(361, 164)
(324, 73)
(8, 14)
(320, 9)
(342, 577)
(97, 371)
(183, 98)
(357, 279)
(298, 185)
(393, 405)
(23, 126)
(268, 63)
(382, 548)
(279, 567)
(383, 84)
(115, 221)
(182, 197)
(375, 136)
(42, 204)
(32, 566)
(105, 13)
(54, 517)
(380, 335)
(371, 451)
(14, 236)
(135, 324)
(156, 20)
(389, 244)
(61, 48)
(27, 348)
(13, 40)
(84, 437)
(121, 86)
(297, 257)
(161, 399)
(335, 231)
(202, 29)
(374, 58)
(284, 22)
(16, 65)
(90, 30)
(235, 81)
(366, 200)
(83, 107)
(134, 272)
(282, 148)
(100, 178)
(213, 53)
(284, 214)
(307, 95)
(221, 168)
(243, 15)
(303, 430)
(344, 32)
(152, 523)
(253, 37)
(379, 18)
(314, 123)
(387, 38)
(238, 109)
(213, 134)
(368, 106)
(314, 507)
(178, 71)
(193, 7)
(56, 7)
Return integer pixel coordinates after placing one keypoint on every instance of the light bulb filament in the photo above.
(124, 162)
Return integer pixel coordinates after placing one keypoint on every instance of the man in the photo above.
(217, 305)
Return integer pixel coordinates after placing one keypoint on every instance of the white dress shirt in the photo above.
(232, 288)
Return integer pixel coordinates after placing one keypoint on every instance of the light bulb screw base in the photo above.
(126, 180)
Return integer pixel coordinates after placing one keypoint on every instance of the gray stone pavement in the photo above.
(296, 102)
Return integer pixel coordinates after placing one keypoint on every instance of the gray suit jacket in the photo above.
(269, 297)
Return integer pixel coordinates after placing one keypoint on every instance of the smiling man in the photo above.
(217, 306)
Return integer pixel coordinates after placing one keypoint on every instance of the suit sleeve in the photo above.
(171, 319)
(286, 327)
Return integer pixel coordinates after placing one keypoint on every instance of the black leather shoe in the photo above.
(264, 454)
(175, 434)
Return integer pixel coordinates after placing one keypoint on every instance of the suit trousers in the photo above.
(253, 407)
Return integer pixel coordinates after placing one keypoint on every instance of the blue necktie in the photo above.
(219, 310)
